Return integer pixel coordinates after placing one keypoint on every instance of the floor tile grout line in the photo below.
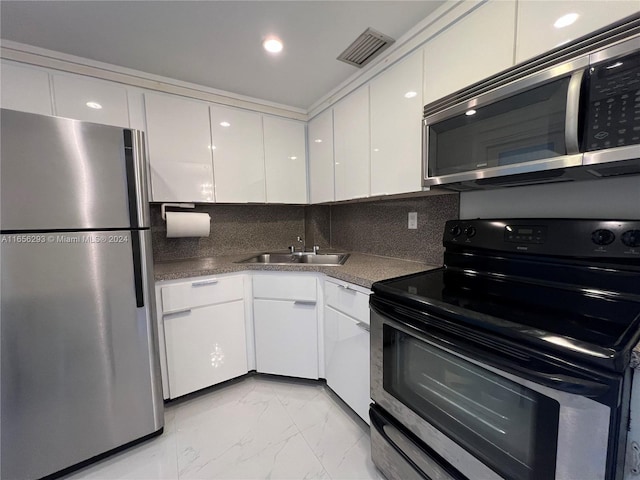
(303, 436)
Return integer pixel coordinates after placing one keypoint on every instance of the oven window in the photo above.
(510, 428)
(523, 128)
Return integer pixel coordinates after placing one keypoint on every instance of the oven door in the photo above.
(485, 421)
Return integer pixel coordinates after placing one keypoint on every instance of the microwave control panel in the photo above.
(613, 109)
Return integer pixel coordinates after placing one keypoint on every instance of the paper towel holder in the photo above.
(163, 208)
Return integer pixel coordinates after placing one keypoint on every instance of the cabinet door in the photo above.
(320, 140)
(479, 45)
(396, 133)
(179, 140)
(90, 100)
(205, 346)
(347, 360)
(25, 89)
(238, 155)
(285, 160)
(537, 33)
(286, 334)
(351, 145)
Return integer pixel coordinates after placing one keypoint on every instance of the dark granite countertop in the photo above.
(360, 268)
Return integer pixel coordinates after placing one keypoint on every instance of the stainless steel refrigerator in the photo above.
(80, 370)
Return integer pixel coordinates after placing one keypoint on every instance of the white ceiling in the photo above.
(216, 43)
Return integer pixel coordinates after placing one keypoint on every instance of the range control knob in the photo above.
(455, 231)
(631, 238)
(469, 232)
(602, 237)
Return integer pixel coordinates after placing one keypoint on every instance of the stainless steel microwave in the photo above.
(576, 119)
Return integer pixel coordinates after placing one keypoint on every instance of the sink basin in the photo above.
(298, 258)
(272, 258)
(324, 259)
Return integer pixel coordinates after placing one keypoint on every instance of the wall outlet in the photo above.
(413, 220)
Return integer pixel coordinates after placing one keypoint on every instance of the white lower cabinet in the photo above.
(346, 344)
(286, 337)
(285, 318)
(205, 346)
(202, 332)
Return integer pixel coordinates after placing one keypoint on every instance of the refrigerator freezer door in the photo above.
(79, 372)
(64, 174)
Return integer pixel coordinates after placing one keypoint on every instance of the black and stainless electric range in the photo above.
(512, 360)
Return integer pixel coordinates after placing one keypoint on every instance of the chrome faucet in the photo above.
(292, 248)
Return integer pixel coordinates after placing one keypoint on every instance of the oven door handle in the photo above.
(566, 383)
(559, 380)
(412, 452)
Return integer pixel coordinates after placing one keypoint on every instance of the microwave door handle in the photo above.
(572, 113)
(425, 151)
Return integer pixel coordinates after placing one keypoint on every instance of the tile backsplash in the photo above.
(376, 227)
(234, 229)
(380, 227)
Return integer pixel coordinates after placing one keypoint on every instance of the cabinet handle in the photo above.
(304, 302)
(364, 326)
(204, 282)
(175, 312)
(348, 288)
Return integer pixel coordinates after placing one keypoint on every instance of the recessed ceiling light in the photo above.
(468, 113)
(318, 140)
(272, 45)
(95, 105)
(566, 20)
(225, 124)
(293, 158)
(376, 149)
(410, 94)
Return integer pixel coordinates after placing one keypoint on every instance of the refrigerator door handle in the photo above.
(130, 168)
(137, 267)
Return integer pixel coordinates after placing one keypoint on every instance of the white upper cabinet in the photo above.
(475, 47)
(320, 139)
(285, 160)
(179, 140)
(90, 100)
(537, 20)
(238, 155)
(25, 89)
(351, 145)
(396, 133)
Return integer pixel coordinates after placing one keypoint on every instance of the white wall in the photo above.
(617, 198)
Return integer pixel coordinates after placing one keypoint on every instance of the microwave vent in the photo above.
(365, 48)
(615, 171)
(530, 178)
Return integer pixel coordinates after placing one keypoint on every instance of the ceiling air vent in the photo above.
(365, 48)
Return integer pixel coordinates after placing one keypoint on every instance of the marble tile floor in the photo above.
(258, 427)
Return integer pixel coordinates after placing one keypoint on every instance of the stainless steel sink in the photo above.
(298, 258)
(272, 258)
(324, 258)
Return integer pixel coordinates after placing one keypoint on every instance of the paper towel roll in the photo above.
(183, 224)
